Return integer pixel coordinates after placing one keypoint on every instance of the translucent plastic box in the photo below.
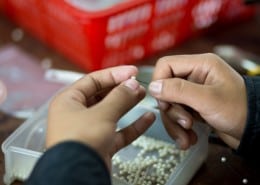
(24, 147)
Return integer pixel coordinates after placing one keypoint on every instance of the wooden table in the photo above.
(213, 171)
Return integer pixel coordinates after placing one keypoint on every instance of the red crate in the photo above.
(234, 11)
(1, 5)
(121, 34)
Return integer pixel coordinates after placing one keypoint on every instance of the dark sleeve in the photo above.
(249, 147)
(70, 163)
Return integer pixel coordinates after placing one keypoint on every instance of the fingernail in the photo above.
(131, 83)
(155, 87)
(163, 105)
(182, 122)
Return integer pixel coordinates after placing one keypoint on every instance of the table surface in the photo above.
(245, 35)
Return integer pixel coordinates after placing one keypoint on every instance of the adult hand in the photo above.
(208, 86)
(3, 92)
(88, 111)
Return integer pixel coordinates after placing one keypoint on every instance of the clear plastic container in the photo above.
(194, 157)
(23, 147)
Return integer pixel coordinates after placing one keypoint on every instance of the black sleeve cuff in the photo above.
(249, 147)
(70, 163)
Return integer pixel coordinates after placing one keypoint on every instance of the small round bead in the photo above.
(46, 63)
(245, 181)
(17, 34)
(223, 159)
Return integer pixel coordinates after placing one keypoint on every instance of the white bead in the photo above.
(223, 159)
(245, 181)
(17, 34)
(46, 63)
(154, 162)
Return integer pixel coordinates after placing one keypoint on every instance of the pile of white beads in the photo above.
(152, 164)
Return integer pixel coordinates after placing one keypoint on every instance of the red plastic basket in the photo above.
(120, 34)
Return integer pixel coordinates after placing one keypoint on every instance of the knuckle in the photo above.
(212, 58)
(163, 60)
(96, 83)
(210, 55)
(179, 87)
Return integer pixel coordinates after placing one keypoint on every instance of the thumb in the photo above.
(121, 99)
(180, 91)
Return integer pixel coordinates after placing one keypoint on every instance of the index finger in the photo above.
(180, 66)
(99, 80)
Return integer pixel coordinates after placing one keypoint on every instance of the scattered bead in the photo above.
(46, 63)
(245, 181)
(223, 159)
(17, 35)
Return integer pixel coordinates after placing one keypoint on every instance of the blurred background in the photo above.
(46, 45)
